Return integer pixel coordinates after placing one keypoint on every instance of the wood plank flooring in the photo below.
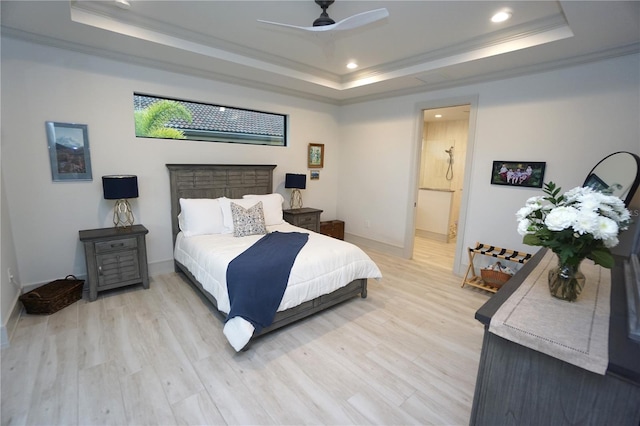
(407, 354)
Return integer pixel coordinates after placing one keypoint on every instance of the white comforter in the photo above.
(323, 265)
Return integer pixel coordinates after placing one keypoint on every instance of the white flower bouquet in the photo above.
(581, 223)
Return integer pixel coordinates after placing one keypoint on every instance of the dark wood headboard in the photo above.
(215, 180)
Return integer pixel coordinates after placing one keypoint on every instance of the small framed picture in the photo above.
(316, 156)
(69, 151)
(314, 174)
(518, 173)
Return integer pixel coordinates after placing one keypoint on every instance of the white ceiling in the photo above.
(421, 46)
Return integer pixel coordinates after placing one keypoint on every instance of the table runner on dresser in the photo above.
(574, 332)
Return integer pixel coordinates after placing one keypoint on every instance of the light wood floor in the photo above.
(407, 354)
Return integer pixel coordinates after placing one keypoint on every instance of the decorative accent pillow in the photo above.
(225, 204)
(200, 216)
(248, 221)
(271, 205)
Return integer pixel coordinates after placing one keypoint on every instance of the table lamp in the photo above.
(296, 182)
(120, 188)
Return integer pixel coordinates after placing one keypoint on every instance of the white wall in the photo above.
(47, 84)
(569, 118)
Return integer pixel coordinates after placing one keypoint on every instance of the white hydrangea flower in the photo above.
(535, 201)
(606, 229)
(561, 218)
(524, 212)
(586, 222)
(611, 242)
(523, 227)
(590, 201)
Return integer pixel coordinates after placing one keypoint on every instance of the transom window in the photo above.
(165, 118)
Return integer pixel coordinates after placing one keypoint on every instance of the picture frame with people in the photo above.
(518, 173)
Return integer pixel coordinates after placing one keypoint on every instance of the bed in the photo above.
(203, 258)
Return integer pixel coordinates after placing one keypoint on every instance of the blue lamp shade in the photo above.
(295, 181)
(116, 187)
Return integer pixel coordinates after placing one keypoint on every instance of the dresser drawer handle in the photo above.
(117, 245)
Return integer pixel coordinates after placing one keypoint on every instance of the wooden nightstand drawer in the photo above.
(306, 220)
(115, 245)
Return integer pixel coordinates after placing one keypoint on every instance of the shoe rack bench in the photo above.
(475, 280)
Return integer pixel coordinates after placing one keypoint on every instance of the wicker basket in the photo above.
(494, 278)
(52, 297)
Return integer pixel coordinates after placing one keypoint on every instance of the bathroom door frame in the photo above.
(472, 101)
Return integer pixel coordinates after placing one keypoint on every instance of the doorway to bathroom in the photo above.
(445, 134)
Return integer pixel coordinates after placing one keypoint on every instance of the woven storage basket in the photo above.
(52, 297)
(494, 278)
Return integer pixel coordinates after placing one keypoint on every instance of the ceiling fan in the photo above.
(325, 23)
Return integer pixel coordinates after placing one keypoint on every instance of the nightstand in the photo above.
(333, 228)
(305, 217)
(115, 257)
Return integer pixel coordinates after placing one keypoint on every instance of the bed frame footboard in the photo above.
(286, 317)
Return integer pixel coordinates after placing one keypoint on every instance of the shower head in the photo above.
(449, 151)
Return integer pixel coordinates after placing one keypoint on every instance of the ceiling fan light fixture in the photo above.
(503, 15)
(324, 18)
(324, 24)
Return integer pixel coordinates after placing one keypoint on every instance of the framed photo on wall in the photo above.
(315, 156)
(69, 151)
(529, 174)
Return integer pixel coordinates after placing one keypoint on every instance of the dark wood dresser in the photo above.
(519, 385)
(333, 228)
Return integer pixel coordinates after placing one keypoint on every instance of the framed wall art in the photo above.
(69, 151)
(316, 156)
(518, 173)
(314, 174)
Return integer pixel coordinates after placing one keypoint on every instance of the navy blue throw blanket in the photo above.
(257, 278)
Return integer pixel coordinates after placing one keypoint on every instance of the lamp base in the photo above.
(296, 199)
(122, 214)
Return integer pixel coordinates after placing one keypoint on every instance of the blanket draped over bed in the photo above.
(258, 277)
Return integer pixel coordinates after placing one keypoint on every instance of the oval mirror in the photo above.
(616, 174)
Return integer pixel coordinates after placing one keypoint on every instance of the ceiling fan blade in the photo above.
(349, 23)
(360, 19)
(279, 24)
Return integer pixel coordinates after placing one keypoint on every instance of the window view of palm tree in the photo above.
(165, 118)
(152, 121)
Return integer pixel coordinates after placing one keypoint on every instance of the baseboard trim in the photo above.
(162, 267)
(374, 245)
(7, 330)
(432, 235)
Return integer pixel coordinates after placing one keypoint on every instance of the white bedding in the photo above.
(323, 265)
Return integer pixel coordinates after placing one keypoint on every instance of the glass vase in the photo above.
(566, 281)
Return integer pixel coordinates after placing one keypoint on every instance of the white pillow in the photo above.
(272, 207)
(201, 216)
(225, 204)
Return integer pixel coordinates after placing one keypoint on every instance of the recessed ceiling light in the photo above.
(438, 116)
(501, 16)
(123, 4)
(352, 65)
